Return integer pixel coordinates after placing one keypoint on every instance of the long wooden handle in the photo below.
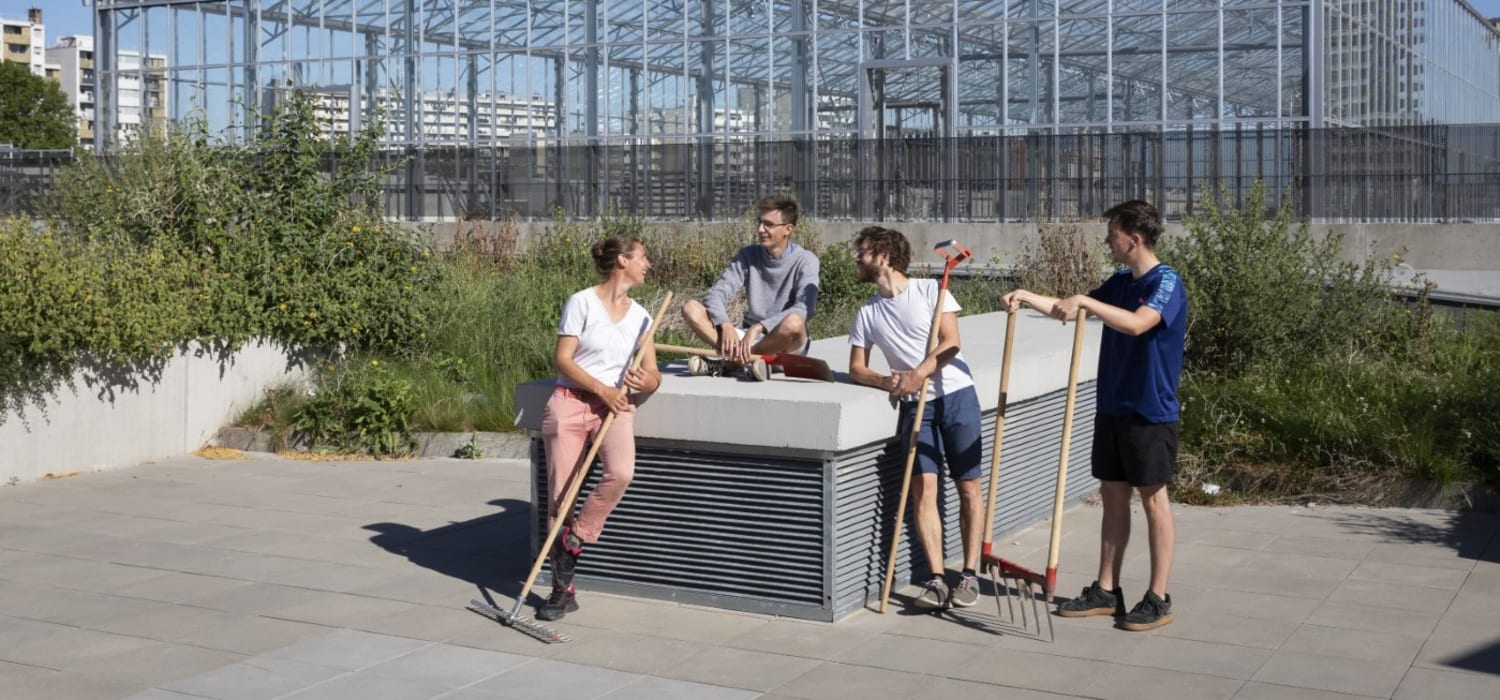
(911, 453)
(989, 509)
(689, 350)
(575, 482)
(1062, 457)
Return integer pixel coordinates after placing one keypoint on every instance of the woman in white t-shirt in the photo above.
(600, 326)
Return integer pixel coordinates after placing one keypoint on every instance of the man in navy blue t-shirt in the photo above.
(1144, 310)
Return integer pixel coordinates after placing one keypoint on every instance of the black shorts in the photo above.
(1127, 448)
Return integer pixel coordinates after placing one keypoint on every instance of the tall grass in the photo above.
(496, 306)
(1307, 378)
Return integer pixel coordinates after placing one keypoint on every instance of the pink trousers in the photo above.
(571, 421)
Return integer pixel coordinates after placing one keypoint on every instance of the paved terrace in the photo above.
(271, 578)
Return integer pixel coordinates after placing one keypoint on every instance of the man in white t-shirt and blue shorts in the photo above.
(897, 320)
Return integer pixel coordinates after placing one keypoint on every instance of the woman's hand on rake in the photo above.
(617, 399)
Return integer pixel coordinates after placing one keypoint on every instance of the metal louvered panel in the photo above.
(869, 483)
(736, 531)
(802, 537)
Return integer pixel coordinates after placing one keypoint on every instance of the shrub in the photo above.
(179, 238)
(1262, 289)
(366, 410)
(111, 309)
(1061, 261)
(287, 227)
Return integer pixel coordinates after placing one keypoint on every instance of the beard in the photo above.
(866, 274)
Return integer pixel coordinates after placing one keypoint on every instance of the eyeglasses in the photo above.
(769, 225)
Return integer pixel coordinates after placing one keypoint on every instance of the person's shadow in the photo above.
(492, 551)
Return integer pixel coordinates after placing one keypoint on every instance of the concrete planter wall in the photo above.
(82, 431)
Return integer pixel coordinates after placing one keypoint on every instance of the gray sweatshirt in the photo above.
(774, 287)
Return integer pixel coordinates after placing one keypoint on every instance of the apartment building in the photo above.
(25, 41)
(140, 87)
(437, 118)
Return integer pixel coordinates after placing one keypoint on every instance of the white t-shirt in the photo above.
(604, 347)
(899, 327)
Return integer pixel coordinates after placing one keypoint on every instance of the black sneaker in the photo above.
(565, 553)
(562, 601)
(1094, 601)
(1152, 612)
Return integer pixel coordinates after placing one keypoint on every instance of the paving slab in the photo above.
(259, 678)
(1137, 683)
(1304, 670)
(274, 578)
(1432, 684)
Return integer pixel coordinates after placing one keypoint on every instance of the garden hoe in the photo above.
(580, 474)
(799, 366)
(1003, 570)
(954, 253)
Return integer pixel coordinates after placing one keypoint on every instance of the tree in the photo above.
(34, 112)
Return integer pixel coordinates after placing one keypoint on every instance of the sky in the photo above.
(65, 17)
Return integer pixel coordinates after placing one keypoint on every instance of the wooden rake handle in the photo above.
(916, 430)
(575, 483)
(989, 509)
(1062, 457)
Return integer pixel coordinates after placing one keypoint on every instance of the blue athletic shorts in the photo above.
(951, 434)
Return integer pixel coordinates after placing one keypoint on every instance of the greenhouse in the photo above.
(946, 110)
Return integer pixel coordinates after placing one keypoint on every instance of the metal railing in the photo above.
(1397, 174)
(1405, 174)
(26, 177)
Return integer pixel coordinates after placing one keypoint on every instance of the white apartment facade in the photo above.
(438, 118)
(140, 86)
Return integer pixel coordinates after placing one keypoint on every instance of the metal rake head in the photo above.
(526, 626)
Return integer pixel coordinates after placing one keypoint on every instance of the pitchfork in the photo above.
(1001, 570)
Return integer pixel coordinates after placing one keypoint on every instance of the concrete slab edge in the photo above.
(486, 445)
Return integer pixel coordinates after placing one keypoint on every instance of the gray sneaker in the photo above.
(759, 371)
(700, 366)
(966, 593)
(934, 594)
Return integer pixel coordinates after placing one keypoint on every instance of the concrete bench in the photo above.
(778, 497)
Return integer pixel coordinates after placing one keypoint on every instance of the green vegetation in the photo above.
(34, 111)
(1307, 378)
(180, 240)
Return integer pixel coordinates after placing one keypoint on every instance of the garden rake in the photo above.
(575, 484)
(1002, 570)
(958, 254)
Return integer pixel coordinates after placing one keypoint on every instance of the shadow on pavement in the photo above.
(490, 551)
(1470, 535)
(1485, 659)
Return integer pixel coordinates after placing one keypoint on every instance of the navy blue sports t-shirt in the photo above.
(1139, 374)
